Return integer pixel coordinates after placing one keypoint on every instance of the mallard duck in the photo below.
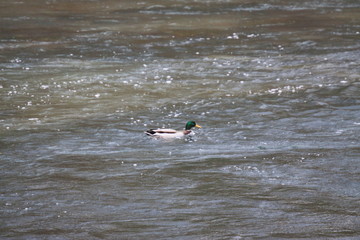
(171, 133)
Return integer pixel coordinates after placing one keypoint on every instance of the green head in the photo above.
(190, 124)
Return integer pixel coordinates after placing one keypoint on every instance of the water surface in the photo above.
(274, 84)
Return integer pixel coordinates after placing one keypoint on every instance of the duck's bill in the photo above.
(198, 126)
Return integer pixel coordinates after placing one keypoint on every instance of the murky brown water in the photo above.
(274, 84)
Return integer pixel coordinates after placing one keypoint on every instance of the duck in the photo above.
(165, 133)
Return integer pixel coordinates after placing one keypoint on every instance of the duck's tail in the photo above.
(150, 132)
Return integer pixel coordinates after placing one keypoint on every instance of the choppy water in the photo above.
(275, 85)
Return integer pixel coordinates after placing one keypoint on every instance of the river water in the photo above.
(274, 84)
